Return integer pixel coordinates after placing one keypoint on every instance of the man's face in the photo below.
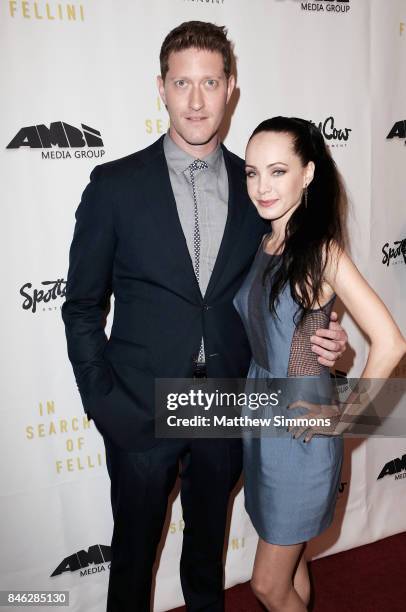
(195, 92)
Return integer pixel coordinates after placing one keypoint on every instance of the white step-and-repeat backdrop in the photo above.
(79, 89)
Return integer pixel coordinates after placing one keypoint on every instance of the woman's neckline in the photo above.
(266, 239)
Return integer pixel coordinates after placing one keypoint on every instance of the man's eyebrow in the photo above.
(207, 76)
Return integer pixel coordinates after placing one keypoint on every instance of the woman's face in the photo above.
(275, 175)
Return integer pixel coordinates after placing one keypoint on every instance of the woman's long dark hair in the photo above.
(311, 231)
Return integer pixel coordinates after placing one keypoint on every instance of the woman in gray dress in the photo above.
(292, 479)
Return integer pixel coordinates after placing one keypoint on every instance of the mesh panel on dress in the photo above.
(302, 360)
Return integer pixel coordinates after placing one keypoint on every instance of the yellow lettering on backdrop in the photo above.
(48, 10)
(12, 5)
(36, 13)
(59, 426)
(73, 464)
(25, 8)
(52, 428)
(71, 12)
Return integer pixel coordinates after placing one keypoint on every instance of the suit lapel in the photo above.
(163, 207)
(173, 242)
(236, 211)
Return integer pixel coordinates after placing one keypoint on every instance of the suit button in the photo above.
(206, 307)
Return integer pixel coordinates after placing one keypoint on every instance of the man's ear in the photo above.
(161, 88)
(230, 86)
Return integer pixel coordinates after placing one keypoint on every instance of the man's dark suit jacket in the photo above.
(128, 240)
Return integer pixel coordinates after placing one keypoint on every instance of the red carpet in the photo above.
(370, 578)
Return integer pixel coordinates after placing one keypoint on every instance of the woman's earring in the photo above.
(305, 196)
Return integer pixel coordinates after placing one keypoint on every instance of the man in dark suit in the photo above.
(171, 232)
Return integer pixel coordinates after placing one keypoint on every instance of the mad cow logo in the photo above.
(58, 138)
(334, 135)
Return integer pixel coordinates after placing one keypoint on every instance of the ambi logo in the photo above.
(398, 131)
(62, 135)
(395, 467)
(95, 556)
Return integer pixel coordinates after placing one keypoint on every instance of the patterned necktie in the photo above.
(198, 164)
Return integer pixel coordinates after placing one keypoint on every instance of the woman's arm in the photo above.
(387, 345)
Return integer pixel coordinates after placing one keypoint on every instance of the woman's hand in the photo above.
(330, 413)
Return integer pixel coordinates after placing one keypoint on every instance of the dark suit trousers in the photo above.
(140, 485)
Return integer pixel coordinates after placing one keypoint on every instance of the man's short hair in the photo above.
(199, 35)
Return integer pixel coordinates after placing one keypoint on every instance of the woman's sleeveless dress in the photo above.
(290, 486)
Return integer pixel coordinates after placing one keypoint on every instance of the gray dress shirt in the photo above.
(212, 202)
